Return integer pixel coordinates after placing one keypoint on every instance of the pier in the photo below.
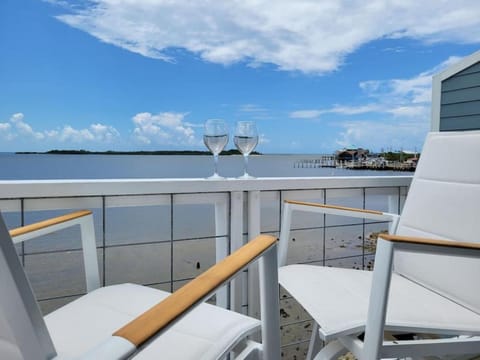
(364, 163)
(322, 161)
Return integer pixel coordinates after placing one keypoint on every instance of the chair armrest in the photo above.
(340, 210)
(49, 223)
(306, 203)
(410, 241)
(160, 316)
(291, 205)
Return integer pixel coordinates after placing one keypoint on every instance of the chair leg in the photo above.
(315, 343)
(331, 351)
(252, 351)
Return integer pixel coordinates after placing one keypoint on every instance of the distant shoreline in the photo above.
(111, 152)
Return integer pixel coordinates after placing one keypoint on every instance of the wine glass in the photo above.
(215, 138)
(246, 139)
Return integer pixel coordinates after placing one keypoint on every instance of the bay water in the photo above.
(50, 166)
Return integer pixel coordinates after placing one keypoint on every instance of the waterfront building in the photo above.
(456, 96)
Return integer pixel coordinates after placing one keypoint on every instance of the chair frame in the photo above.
(373, 346)
(21, 311)
(83, 218)
(291, 205)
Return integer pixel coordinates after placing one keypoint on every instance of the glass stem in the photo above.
(245, 165)
(215, 164)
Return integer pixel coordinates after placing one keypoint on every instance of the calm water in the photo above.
(40, 166)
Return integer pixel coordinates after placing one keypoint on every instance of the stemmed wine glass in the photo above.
(246, 139)
(215, 138)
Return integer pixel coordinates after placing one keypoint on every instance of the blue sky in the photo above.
(316, 76)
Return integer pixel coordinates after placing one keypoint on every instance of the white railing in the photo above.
(224, 212)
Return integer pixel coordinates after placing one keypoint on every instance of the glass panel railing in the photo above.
(163, 233)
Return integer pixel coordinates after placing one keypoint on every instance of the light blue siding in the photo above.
(461, 95)
(461, 82)
(460, 123)
(470, 69)
(460, 109)
(460, 100)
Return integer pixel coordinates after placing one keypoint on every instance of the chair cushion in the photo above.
(9, 350)
(338, 301)
(206, 332)
(444, 202)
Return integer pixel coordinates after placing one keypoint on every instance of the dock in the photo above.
(323, 161)
(330, 161)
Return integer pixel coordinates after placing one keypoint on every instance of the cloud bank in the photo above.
(19, 130)
(310, 36)
(397, 114)
(167, 129)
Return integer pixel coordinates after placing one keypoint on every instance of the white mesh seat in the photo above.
(413, 308)
(208, 332)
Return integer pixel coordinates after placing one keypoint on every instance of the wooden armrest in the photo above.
(181, 301)
(49, 222)
(427, 241)
(333, 207)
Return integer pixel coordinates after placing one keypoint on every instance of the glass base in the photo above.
(246, 176)
(215, 177)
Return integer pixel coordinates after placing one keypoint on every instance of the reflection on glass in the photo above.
(215, 138)
(246, 139)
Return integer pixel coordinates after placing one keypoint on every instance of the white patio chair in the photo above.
(133, 321)
(433, 290)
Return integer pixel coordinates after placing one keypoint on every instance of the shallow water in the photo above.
(44, 166)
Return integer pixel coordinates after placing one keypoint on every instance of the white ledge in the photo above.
(14, 189)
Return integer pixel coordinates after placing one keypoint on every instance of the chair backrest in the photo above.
(444, 202)
(23, 333)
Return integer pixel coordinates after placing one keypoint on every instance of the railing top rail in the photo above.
(12, 189)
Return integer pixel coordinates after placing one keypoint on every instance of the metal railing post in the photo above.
(90, 258)
(270, 304)
(236, 241)
(393, 203)
(221, 245)
(284, 233)
(253, 230)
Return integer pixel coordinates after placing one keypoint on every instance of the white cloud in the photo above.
(21, 131)
(399, 97)
(19, 127)
(97, 133)
(104, 133)
(336, 109)
(70, 134)
(398, 111)
(305, 114)
(410, 111)
(253, 112)
(167, 128)
(252, 108)
(17, 117)
(413, 91)
(353, 110)
(374, 135)
(5, 131)
(5, 126)
(305, 35)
